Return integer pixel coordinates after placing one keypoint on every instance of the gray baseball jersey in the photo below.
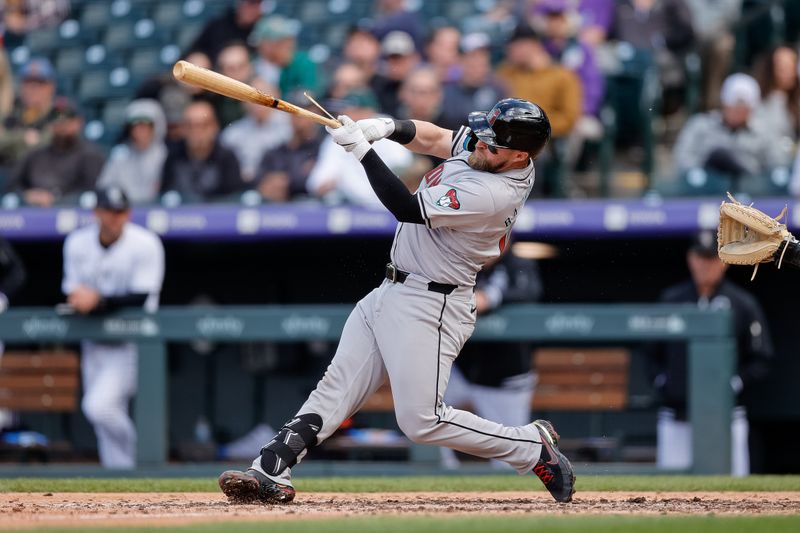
(468, 217)
(411, 334)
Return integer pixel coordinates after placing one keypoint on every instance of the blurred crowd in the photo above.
(608, 73)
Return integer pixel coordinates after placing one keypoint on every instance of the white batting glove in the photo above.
(350, 137)
(376, 129)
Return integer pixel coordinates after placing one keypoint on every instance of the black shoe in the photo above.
(253, 487)
(553, 468)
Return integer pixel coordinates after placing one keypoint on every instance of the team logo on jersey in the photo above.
(450, 199)
(434, 176)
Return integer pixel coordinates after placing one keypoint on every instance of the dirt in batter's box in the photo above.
(19, 510)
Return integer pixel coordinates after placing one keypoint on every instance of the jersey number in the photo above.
(434, 176)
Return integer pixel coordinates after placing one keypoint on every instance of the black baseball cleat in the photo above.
(553, 468)
(253, 487)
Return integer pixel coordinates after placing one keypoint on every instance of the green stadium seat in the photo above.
(145, 62)
(70, 61)
(186, 34)
(43, 42)
(113, 114)
(94, 86)
(119, 36)
(96, 15)
(168, 14)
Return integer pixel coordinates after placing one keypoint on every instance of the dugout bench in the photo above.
(708, 333)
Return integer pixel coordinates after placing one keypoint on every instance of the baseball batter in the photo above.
(411, 328)
(109, 265)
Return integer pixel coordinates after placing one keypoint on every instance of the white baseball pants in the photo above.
(109, 382)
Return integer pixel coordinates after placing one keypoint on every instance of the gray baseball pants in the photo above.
(410, 335)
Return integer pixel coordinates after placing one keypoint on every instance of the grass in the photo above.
(418, 484)
(595, 524)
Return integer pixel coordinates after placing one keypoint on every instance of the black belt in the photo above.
(395, 275)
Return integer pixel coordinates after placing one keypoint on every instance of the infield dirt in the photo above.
(33, 510)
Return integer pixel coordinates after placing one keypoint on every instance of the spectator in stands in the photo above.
(394, 15)
(713, 23)
(28, 124)
(401, 58)
(496, 378)
(779, 110)
(559, 37)
(596, 18)
(66, 166)
(110, 265)
(174, 96)
(346, 78)
(363, 49)
(199, 168)
(18, 17)
(6, 86)
(279, 62)
(663, 30)
(233, 61)
(261, 129)
(338, 177)
(443, 54)
(479, 88)
(709, 289)
(421, 96)
(531, 73)
(234, 25)
(284, 170)
(135, 164)
(725, 150)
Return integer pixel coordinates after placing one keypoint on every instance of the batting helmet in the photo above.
(512, 123)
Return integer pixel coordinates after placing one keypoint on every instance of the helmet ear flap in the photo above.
(471, 141)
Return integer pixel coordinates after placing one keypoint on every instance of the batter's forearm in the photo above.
(428, 138)
(390, 190)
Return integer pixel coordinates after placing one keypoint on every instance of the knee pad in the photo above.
(297, 435)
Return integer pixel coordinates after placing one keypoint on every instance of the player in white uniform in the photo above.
(111, 264)
(410, 329)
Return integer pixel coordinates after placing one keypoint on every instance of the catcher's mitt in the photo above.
(747, 236)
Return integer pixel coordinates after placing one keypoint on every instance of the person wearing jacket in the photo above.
(135, 164)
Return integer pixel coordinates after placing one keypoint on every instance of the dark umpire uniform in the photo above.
(754, 349)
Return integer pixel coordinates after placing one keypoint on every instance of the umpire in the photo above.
(709, 289)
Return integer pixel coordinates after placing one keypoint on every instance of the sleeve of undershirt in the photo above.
(392, 192)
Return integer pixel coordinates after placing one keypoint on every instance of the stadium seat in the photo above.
(144, 62)
(43, 42)
(96, 15)
(186, 34)
(168, 14)
(113, 114)
(69, 61)
(119, 36)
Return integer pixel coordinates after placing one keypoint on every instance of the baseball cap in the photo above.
(113, 198)
(552, 7)
(475, 41)
(273, 28)
(397, 43)
(523, 31)
(740, 89)
(64, 108)
(704, 243)
(37, 69)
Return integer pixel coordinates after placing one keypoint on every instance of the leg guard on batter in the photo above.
(296, 436)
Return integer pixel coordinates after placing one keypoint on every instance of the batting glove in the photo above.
(376, 128)
(350, 137)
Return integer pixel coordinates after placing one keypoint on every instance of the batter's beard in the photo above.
(482, 164)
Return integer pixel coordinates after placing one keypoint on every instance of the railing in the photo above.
(708, 333)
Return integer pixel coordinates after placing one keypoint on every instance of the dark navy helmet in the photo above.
(512, 123)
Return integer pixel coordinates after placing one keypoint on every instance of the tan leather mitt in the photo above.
(747, 236)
